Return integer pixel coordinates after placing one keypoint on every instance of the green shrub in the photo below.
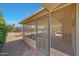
(3, 31)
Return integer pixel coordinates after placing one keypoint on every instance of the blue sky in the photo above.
(15, 12)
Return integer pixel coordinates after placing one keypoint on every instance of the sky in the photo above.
(15, 12)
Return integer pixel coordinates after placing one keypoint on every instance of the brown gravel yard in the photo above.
(15, 46)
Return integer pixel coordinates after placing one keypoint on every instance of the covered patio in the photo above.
(51, 30)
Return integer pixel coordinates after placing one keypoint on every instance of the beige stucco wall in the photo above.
(77, 30)
(73, 37)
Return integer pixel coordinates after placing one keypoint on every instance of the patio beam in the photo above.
(34, 16)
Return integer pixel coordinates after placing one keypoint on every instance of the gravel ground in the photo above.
(15, 46)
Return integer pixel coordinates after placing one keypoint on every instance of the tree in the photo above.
(3, 31)
(11, 27)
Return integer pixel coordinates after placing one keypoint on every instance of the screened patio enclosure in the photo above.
(37, 34)
(62, 25)
(30, 33)
(51, 31)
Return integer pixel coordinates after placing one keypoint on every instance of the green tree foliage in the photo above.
(3, 31)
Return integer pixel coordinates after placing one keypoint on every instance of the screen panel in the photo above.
(42, 36)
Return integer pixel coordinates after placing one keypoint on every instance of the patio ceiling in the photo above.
(51, 7)
(59, 14)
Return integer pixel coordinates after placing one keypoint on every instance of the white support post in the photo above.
(23, 32)
(36, 34)
(49, 32)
